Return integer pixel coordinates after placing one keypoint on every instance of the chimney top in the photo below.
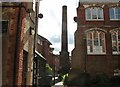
(64, 6)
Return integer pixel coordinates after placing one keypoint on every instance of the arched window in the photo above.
(94, 13)
(95, 42)
(115, 36)
(114, 13)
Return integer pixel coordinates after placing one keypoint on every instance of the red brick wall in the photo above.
(20, 48)
(10, 44)
(94, 63)
(45, 50)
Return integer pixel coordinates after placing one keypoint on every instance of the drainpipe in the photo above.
(36, 23)
(16, 45)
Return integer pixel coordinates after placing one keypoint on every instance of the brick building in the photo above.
(18, 20)
(97, 38)
(43, 47)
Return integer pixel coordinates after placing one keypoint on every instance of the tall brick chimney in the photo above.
(64, 54)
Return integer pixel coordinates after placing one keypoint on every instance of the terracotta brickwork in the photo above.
(9, 41)
(43, 47)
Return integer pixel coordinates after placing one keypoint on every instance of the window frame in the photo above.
(96, 48)
(114, 13)
(115, 33)
(97, 8)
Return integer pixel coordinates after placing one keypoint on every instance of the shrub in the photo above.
(115, 81)
(100, 80)
(49, 70)
(82, 79)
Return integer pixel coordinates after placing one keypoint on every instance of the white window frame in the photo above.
(91, 13)
(117, 42)
(96, 49)
(115, 15)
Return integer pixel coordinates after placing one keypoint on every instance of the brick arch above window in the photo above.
(94, 5)
(96, 29)
(115, 29)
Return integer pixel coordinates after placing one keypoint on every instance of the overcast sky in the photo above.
(50, 25)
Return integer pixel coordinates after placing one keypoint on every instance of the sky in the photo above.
(51, 24)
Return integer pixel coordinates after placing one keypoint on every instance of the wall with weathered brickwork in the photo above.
(94, 63)
(9, 41)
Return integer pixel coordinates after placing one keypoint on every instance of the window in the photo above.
(95, 42)
(115, 35)
(114, 13)
(94, 13)
(4, 27)
(116, 72)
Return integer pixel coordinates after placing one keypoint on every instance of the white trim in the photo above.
(116, 52)
(114, 19)
(104, 53)
(117, 42)
(94, 19)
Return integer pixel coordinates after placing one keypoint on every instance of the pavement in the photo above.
(59, 84)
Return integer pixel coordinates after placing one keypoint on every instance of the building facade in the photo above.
(18, 22)
(97, 38)
(43, 47)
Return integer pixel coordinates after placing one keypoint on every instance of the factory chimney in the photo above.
(64, 54)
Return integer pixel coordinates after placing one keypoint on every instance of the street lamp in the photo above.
(40, 15)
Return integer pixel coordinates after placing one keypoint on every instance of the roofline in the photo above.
(44, 39)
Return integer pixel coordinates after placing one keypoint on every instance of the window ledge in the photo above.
(116, 53)
(94, 19)
(96, 53)
(114, 19)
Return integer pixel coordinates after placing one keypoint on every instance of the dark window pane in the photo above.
(114, 48)
(100, 13)
(119, 46)
(111, 12)
(119, 37)
(4, 26)
(100, 42)
(88, 13)
(96, 42)
(94, 13)
(114, 37)
(117, 13)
